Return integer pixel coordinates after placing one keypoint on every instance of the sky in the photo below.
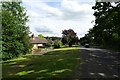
(51, 17)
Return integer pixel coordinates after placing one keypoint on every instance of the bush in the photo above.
(57, 44)
(48, 45)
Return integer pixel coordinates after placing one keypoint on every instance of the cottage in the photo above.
(38, 42)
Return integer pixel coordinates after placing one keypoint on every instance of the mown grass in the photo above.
(59, 63)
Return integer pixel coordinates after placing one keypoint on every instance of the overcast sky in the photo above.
(50, 17)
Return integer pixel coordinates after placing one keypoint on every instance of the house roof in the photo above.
(37, 40)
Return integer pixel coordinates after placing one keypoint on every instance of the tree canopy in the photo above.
(69, 37)
(15, 39)
(106, 31)
(40, 36)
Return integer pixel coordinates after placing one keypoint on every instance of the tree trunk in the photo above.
(70, 45)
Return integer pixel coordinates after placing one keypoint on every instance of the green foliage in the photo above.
(40, 36)
(87, 39)
(15, 40)
(107, 24)
(53, 38)
(69, 37)
(49, 44)
(57, 44)
(54, 41)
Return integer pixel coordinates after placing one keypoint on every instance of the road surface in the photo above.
(98, 63)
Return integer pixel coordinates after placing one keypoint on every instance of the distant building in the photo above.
(38, 42)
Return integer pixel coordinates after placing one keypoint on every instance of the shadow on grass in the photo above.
(56, 64)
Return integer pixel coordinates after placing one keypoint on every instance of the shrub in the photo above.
(48, 45)
(57, 44)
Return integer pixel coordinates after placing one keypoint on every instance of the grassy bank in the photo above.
(59, 63)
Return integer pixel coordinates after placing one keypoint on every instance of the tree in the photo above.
(69, 37)
(107, 21)
(57, 44)
(15, 39)
(106, 31)
(53, 38)
(40, 36)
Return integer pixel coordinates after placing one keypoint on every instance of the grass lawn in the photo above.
(59, 63)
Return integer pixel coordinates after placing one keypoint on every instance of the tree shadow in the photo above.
(97, 64)
(56, 64)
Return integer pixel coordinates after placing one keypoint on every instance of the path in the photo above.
(98, 63)
(42, 51)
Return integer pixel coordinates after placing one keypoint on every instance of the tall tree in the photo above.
(107, 21)
(106, 31)
(15, 39)
(69, 37)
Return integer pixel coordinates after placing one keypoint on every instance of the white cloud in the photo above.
(32, 13)
(75, 6)
(50, 21)
(51, 10)
(43, 7)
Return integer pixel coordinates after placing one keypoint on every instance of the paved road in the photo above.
(98, 63)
